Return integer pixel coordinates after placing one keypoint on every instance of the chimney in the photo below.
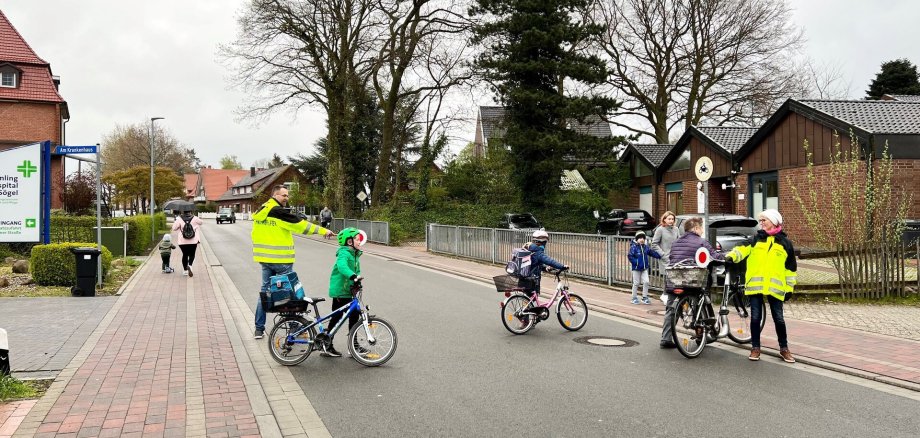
(252, 171)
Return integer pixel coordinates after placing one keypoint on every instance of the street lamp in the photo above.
(153, 228)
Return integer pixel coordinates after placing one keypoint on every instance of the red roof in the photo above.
(191, 181)
(217, 181)
(35, 82)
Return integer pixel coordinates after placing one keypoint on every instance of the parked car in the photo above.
(624, 222)
(911, 232)
(730, 229)
(520, 221)
(226, 215)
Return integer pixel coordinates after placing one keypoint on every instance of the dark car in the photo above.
(730, 229)
(520, 221)
(625, 222)
(226, 215)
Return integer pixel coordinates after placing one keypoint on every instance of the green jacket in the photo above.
(346, 268)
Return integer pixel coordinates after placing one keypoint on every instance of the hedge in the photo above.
(80, 229)
(55, 265)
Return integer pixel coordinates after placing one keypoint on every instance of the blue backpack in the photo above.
(520, 264)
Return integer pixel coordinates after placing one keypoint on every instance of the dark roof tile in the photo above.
(873, 116)
(493, 116)
(654, 153)
(728, 137)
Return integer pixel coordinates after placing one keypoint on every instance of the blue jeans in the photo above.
(776, 310)
(268, 270)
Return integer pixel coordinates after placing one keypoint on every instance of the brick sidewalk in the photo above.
(168, 360)
(887, 359)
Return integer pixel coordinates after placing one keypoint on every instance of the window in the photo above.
(645, 198)
(675, 197)
(682, 163)
(640, 169)
(8, 79)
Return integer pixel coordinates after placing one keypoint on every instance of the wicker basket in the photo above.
(687, 276)
(507, 283)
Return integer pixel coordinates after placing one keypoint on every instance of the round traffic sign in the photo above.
(702, 257)
(703, 169)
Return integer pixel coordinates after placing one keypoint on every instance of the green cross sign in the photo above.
(27, 169)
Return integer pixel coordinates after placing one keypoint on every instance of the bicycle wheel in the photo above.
(739, 317)
(512, 318)
(290, 354)
(689, 335)
(572, 312)
(376, 353)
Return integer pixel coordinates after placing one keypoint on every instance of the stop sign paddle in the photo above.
(702, 257)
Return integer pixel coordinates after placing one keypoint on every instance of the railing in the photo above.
(589, 256)
(377, 232)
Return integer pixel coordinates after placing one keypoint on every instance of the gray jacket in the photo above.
(663, 239)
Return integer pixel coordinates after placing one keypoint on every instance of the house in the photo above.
(489, 128)
(252, 190)
(31, 109)
(663, 178)
(191, 183)
(210, 184)
(902, 97)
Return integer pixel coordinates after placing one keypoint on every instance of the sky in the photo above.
(125, 61)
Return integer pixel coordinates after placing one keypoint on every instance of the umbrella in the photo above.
(179, 205)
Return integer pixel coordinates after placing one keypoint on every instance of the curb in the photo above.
(133, 277)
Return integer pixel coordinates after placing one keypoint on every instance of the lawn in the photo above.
(21, 286)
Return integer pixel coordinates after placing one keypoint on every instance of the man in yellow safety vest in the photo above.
(273, 226)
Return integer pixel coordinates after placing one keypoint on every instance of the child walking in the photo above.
(166, 248)
(639, 261)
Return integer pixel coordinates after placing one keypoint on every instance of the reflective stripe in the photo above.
(790, 280)
(754, 288)
(776, 281)
(278, 247)
(777, 291)
(272, 256)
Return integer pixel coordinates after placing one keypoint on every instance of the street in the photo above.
(458, 372)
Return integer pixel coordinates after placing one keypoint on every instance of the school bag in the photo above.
(188, 231)
(520, 264)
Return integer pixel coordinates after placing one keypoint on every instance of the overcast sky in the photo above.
(125, 61)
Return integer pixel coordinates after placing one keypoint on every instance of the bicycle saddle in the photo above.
(314, 300)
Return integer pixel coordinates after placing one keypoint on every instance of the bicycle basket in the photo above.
(687, 276)
(507, 283)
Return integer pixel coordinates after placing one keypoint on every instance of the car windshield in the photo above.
(524, 220)
(616, 214)
(225, 211)
(735, 227)
(640, 215)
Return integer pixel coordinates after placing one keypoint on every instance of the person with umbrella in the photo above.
(188, 225)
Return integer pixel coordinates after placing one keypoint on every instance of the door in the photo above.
(645, 198)
(764, 188)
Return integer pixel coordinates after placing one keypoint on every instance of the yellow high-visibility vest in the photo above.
(272, 238)
(767, 273)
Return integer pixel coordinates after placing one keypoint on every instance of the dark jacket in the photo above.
(539, 258)
(639, 256)
(685, 247)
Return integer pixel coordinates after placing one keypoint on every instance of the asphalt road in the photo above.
(458, 372)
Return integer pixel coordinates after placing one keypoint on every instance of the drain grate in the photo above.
(605, 341)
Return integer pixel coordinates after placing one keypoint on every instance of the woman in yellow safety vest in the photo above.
(770, 273)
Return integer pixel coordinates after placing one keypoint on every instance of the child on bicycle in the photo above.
(639, 261)
(345, 272)
(539, 258)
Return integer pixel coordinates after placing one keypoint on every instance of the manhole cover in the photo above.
(605, 341)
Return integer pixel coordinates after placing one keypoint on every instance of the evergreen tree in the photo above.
(897, 77)
(530, 55)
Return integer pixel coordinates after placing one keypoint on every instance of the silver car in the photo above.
(730, 229)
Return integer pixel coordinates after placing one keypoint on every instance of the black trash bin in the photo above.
(86, 271)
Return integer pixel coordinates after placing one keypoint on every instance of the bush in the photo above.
(80, 229)
(55, 265)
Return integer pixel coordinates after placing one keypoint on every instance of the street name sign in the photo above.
(64, 150)
(21, 194)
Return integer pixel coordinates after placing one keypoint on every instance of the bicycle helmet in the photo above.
(540, 236)
(359, 236)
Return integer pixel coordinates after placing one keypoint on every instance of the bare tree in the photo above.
(683, 62)
(417, 32)
(128, 146)
(292, 54)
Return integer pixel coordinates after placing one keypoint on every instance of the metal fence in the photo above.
(377, 232)
(590, 256)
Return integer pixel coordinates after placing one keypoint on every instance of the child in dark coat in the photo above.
(639, 253)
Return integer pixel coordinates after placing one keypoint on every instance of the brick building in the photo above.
(31, 109)
(210, 184)
(244, 196)
(490, 128)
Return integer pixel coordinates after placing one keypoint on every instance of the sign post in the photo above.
(92, 149)
(703, 171)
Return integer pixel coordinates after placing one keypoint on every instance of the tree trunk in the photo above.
(382, 182)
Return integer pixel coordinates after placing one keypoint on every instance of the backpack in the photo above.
(520, 263)
(188, 231)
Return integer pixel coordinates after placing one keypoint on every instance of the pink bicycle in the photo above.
(522, 310)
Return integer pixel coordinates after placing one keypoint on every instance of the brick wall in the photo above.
(29, 122)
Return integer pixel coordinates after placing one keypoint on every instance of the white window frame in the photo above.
(4, 75)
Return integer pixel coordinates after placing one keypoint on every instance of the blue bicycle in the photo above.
(295, 335)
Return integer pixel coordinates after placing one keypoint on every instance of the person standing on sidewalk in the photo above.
(273, 242)
(325, 217)
(665, 236)
(189, 227)
(771, 275)
(683, 249)
(166, 248)
(639, 261)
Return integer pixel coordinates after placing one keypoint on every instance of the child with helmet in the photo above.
(539, 258)
(345, 272)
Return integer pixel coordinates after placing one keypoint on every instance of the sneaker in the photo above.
(755, 354)
(787, 356)
(258, 334)
(185, 273)
(635, 301)
(166, 271)
(330, 351)
(646, 301)
(190, 273)
(667, 344)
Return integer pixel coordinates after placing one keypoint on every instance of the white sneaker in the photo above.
(185, 273)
